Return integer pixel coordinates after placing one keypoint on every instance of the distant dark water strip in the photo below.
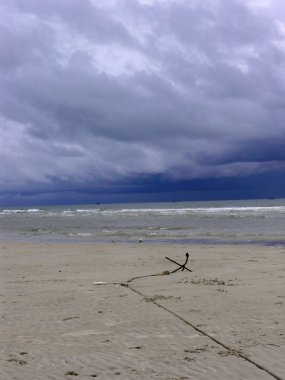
(200, 241)
(268, 243)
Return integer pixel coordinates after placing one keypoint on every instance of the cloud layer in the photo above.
(94, 94)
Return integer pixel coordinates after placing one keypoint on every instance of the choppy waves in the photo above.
(20, 211)
(236, 220)
(203, 211)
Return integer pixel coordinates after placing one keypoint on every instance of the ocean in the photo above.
(235, 222)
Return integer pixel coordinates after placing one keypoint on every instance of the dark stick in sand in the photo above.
(181, 266)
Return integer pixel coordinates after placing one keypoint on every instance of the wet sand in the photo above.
(224, 320)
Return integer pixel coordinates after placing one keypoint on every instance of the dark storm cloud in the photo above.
(258, 150)
(95, 94)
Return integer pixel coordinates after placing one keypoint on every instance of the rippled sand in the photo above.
(67, 311)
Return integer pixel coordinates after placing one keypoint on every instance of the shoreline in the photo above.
(223, 320)
(273, 242)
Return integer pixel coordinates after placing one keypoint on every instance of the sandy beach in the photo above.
(68, 311)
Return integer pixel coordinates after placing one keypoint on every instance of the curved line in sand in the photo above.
(234, 352)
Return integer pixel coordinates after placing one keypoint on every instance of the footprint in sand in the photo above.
(71, 373)
(18, 361)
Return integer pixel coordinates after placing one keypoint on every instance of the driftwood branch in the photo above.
(180, 266)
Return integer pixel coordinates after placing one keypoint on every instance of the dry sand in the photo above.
(225, 320)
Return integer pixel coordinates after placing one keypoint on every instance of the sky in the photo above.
(141, 100)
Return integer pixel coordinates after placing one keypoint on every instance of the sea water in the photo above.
(244, 221)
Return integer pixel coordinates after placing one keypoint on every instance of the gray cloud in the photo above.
(93, 93)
